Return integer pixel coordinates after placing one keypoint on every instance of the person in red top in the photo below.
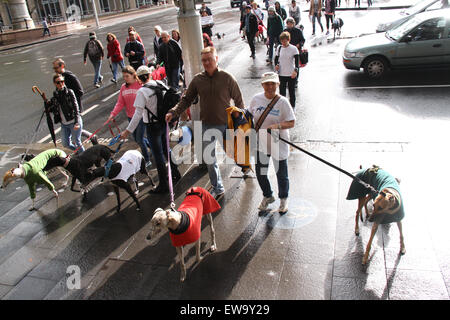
(115, 53)
(127, 95)
(198, 202)
(158, 74)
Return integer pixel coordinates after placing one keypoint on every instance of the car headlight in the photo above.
(353, 54)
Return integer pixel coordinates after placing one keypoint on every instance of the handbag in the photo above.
(304, 57)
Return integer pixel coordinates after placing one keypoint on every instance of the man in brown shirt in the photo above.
(216, 88)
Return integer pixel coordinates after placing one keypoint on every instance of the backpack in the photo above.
(93, 49)
(167, 98)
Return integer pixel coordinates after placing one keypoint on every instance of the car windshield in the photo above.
(397, 32)
(419, 7)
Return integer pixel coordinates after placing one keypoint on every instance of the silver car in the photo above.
(419, 7)
(422, 41)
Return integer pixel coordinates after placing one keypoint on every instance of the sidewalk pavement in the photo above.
(88, 25)
(309, 253)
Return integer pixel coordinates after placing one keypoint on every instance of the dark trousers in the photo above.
(318, 17)
(281, 169)
(156, 131)
(251, 42)
(288, 81)
(46, 31)
(173, 77)
(136, 65)
(329, 20)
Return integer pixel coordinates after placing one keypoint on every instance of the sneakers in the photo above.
(217, 195)
(328, 32)
(113, 80)
(283, 206)
(148, 164)
(97, 85)
(265, 203)
(100, 79)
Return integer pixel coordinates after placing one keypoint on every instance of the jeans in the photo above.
(157, 133)
(359, 3)
(314, 17)
(273, 41)
(329, 20)
(97, 68)
(211, 161)
(281, 169)
(291, 84)
(173, 77)
(115, 65)
(68, 132)
(251, 42)
(46, 30)
(141, 140)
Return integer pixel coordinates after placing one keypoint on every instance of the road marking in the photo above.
(6, 63)
(25, 61)
(59, 129)
(110, 96)
(89, 110)
(42, 59)
(400, 87)
(77, 54)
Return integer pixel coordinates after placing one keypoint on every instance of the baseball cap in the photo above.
(270, 77)
(142, 70)
(271, 8)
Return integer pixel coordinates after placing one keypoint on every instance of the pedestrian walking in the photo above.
(205, 8)
(134, 50)
(280, 10)
(171, 55)
(278, 118)
(369, 3)
(274, 29)
(251, 29)
(216, 88)
(94, 50)
(242, 19)
(146, 104)
(176, 36)
(297, 37)
(287, 66)
(294, 12)
(127, 96)
(207, 41)
(115, 53)
(315, 12)
(330, 9)
(45, 26)
(206, 28)
(157, 40)
(64, 107)
(72, 82)
(358, 2)
(138, 38)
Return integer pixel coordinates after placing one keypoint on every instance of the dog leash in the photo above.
(89, 138)
(366, 185)
(172, 197)
(111, 160)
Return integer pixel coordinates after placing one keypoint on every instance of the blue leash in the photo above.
(110, 161)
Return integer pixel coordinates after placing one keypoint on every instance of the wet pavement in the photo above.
(398, 123)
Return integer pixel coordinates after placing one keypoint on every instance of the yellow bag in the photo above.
(238, 147)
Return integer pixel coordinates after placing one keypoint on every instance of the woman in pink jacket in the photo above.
(126, 99)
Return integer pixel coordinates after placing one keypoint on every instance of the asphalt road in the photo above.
(334, 104)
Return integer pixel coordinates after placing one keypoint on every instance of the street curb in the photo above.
(36, 42)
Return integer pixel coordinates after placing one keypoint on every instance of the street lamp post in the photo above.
(95, 13)
(192, 43)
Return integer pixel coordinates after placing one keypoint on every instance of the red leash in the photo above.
(89, 138)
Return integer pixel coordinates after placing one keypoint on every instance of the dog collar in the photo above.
(184, 224)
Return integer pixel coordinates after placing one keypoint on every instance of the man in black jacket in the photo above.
(134, 50)
(72, 82)
(170, 53)
(251, 28)
(297, 38)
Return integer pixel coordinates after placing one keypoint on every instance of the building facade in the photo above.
(61, 10)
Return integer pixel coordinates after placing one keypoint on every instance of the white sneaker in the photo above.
(283, 206)
(265, 203)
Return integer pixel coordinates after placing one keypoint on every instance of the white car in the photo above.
(421, 6)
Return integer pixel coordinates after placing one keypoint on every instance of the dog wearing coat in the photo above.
(387, 204)
(33, 172)
(184, 224)
(121, 171)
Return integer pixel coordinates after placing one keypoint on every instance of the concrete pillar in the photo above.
(19, 15)
(192, 43)
(133, 4)
(4, 14)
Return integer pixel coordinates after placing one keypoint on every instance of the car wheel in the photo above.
(375, 67)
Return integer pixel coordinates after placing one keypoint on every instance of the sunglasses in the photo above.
(59, 82)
